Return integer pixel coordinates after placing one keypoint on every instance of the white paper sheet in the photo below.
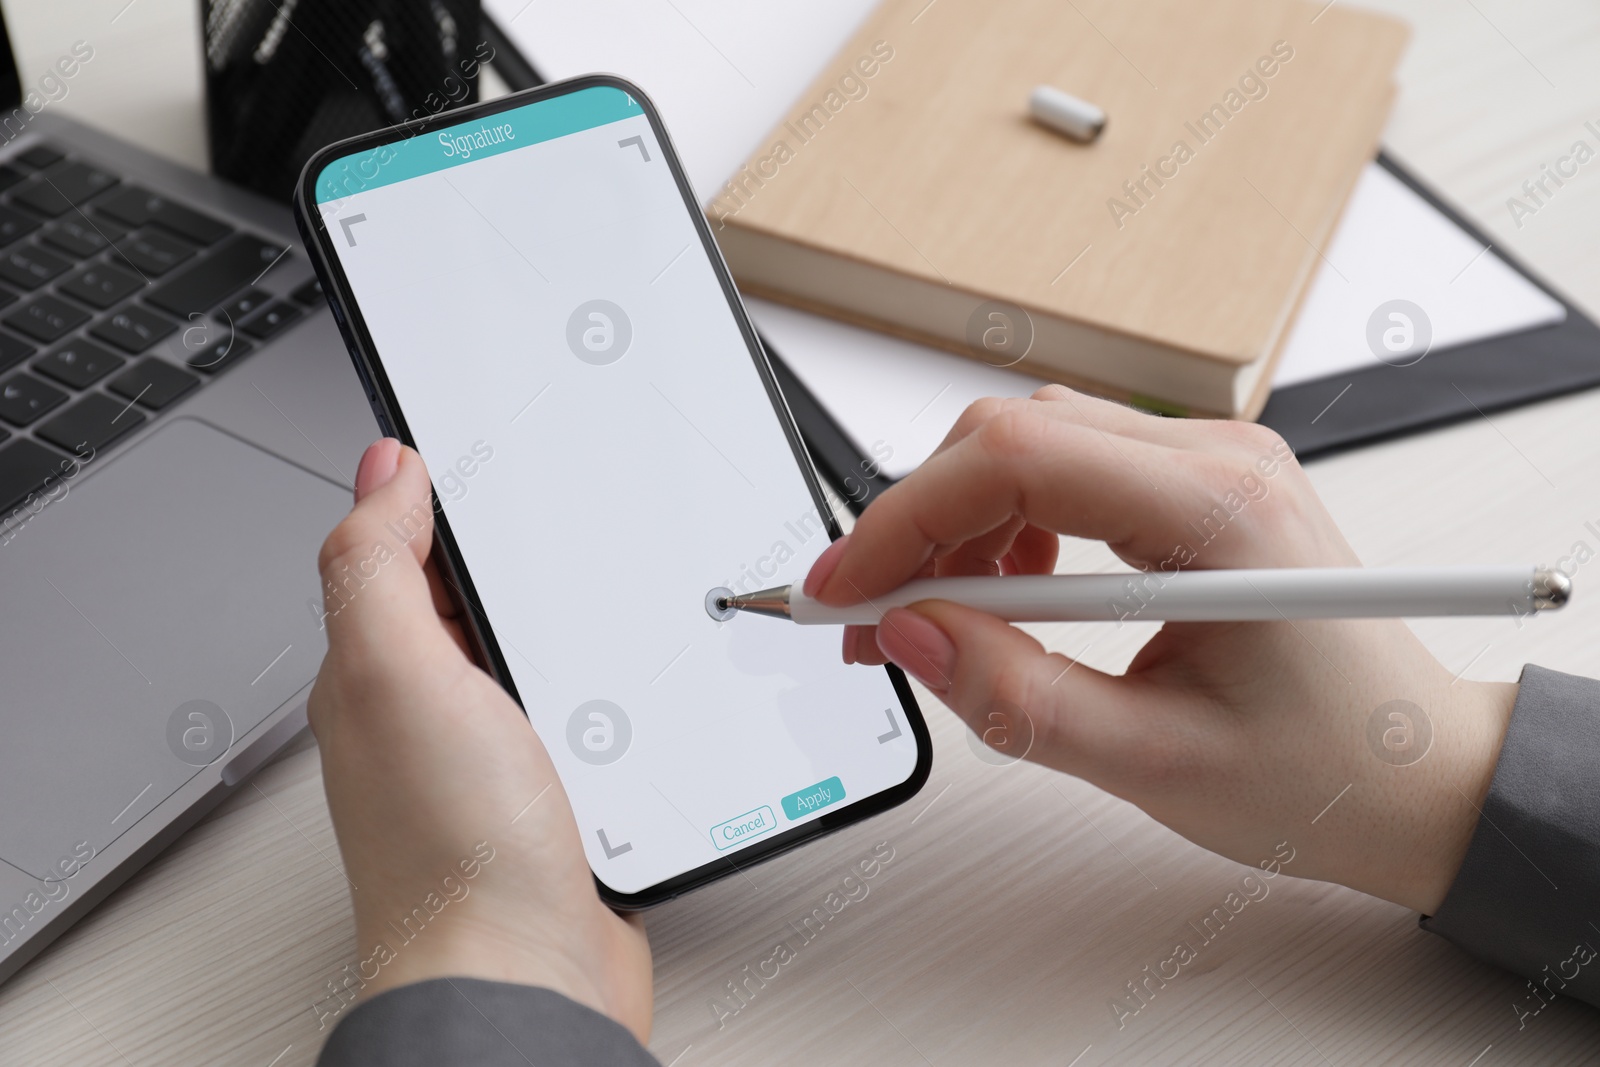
(1392, 244)
(723, 72)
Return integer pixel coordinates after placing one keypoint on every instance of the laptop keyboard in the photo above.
(94, 272)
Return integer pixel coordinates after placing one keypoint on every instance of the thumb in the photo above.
(1020, 699)
(373, 585)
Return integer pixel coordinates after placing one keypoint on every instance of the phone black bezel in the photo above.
(369, 368)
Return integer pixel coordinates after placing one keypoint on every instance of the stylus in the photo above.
(1195, 596)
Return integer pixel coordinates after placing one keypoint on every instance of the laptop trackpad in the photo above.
(158, 613)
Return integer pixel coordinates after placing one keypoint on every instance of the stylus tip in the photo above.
(720, 604)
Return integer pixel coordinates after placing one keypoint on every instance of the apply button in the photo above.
(813, 798)
(738, 831)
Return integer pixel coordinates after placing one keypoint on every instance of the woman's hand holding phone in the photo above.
(461, 849)
(1236, 735)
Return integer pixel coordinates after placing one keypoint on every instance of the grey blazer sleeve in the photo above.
(467, 1022)
(1528, 895)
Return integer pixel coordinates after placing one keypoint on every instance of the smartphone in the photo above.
(534, 301)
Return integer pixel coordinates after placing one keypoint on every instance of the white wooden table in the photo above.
(1018, 902)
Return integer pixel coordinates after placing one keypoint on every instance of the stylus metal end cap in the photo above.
(1551, 589)
(774, 602)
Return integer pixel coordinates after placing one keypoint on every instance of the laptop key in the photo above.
(77, 236)
(29, 266)
(60, 189)
(100, 285)
(270, 320)
(46, 318)
(234, 264)
(216, 353)
(10, 176)
(24, 398)
(80, 182)
(24, 467)
(15, 224)
(153, 382)
(41, 155)
(13, 351)
(37, 195)
(78, 363)
(133, 328)
(140, 207)
(92, 423)
(151, 252)
(310, 294)
(244, 305)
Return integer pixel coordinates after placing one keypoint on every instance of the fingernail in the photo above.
(915, 645)
(825, 565)
(378, 464)
(853, 638)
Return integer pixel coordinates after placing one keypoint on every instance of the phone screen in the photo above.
(555, 333)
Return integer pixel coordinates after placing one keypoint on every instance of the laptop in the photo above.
(179, 430)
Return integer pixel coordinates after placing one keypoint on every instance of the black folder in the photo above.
(1462, 382)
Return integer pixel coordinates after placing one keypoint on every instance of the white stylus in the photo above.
(1193, 596)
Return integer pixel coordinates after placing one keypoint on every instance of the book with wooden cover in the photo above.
(909, 191)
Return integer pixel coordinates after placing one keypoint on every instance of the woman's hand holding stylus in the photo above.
(1237, 735)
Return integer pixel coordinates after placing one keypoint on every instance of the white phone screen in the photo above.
(563, 353)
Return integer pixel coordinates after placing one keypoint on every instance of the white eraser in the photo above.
(1065, 113)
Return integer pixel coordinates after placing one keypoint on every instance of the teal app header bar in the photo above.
(436, 150)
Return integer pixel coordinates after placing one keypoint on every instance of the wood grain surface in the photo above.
(1018, 902)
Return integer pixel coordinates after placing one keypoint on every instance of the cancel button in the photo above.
(738, 831)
